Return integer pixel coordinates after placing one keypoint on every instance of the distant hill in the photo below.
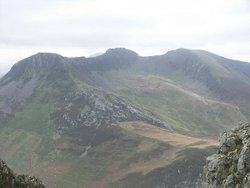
(67, 119)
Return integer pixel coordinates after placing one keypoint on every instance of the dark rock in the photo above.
(8, 179)
(230, 167)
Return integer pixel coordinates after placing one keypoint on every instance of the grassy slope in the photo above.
(167, 136)
(26, 141)
(29, 144)
(183, 110)
(97, 168)
(181, 172)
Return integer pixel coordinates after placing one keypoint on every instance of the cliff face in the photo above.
(230, 166)
(8, 179)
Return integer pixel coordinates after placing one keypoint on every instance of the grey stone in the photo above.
(230, 167)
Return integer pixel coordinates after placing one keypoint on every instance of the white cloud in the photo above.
(83, 27)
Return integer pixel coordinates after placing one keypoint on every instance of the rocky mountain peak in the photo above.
(230, 166)
(20, 82)
(179, 51)
(41, 61)
(121, 53)
(35, 64)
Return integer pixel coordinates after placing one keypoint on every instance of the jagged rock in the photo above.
(230, 166)
(96, 108)
(8, 179)
(6, 175)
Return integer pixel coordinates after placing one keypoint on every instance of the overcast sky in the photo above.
(85, 27)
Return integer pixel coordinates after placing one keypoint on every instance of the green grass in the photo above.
(191, 163)
(183, 110)
(27, 139)
(123, 150)
(27, 142)
(28, 135)
(94, 165)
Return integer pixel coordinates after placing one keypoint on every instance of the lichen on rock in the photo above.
(230, 166)
(8, 179)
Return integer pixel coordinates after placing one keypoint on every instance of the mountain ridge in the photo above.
(201, 74)
(77, 112)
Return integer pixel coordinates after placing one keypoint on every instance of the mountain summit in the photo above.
(121, 52)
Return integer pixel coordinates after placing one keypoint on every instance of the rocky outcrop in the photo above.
(230, 166)
(97, 108)
(8, 179)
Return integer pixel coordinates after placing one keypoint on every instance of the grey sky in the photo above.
(85, 27)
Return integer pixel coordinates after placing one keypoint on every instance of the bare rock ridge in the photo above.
(8, 179)
(32, 66)
(230, 166)
(96, 108)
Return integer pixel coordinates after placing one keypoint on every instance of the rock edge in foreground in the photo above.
(8, 179)
(230, 166)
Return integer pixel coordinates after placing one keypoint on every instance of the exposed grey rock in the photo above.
(15, 93)
(8, 179)
(98, 108)
(20, 83)
(230, 166)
